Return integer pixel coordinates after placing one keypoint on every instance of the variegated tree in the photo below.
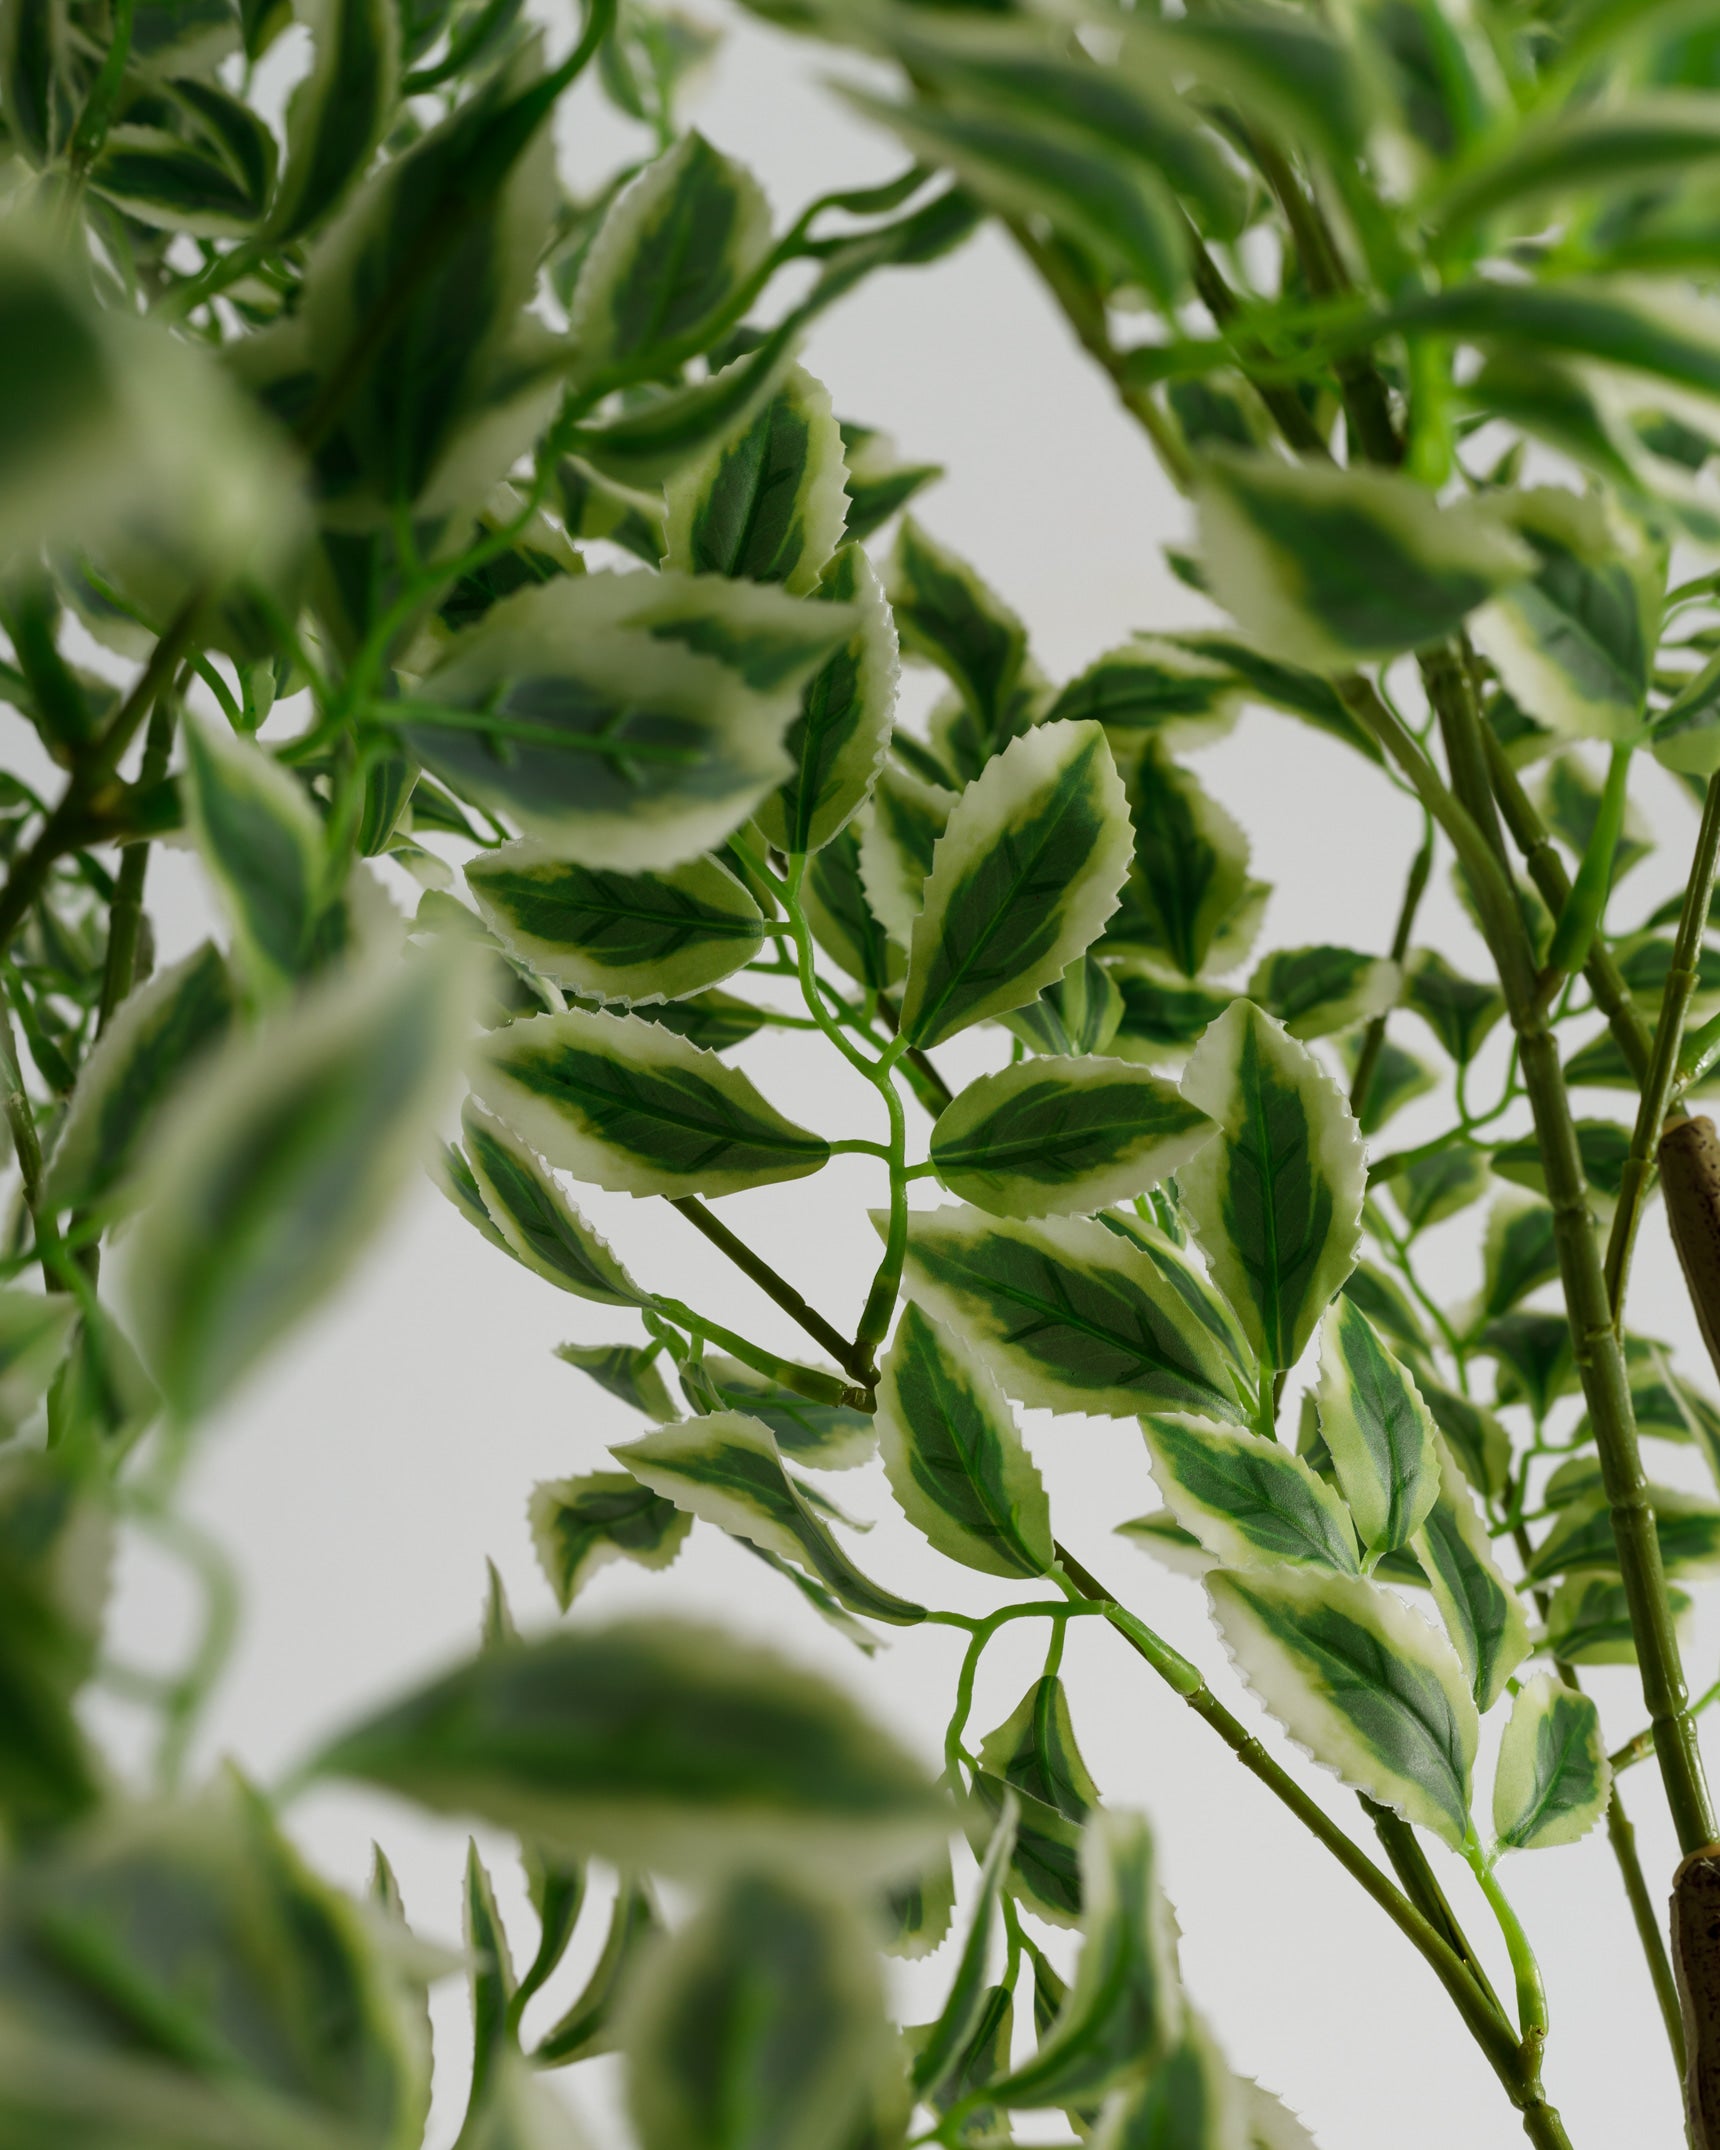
(372, 509)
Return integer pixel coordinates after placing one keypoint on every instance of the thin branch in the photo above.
(852, 1362)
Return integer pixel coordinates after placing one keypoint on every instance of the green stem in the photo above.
(776, 1287)
(887, 1283)
(1663, 1058)
(1409, 1862)
(1531, 1993)
(804, 1381)
(1646, 1917)
(1374, 1037)
(93, 121)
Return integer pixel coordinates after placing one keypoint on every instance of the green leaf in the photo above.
(1248, 1501)
(535, 1221)
(1281, 686)
(588, 2025)
(168, 183)
(1553, 1780)
(1160, 1534)
(947, 2039)
(339, 113)
(919, 1910)
(1151, 691)
(579, 1525)
(1276, 1201)
(1389, 1307)
(1582, 1541)
(842, 920)
(55, 1557)
(1073, 1318)
(985, 2056)
(1063, 1137)
(1519, 1252)
(1271, 2123)
(34, 1332)
(262, 844)
(899, 834)
(281, 1162)
(760, 2024)
(1189, 871)
(1475, 1436)
(1536, 1361)
(1399, 1078)
(593, 506)
(1588, 1621)
(1025, 875)
(1316, 991)
(657, 1742)
(1163, 1014)
(619, 936)
(828, 1437)
(154, 1041)
(1574, 642)
(1330, 568)
(725, 1467)
(1379, 1431)
(715, 1021)
(947, 617)
(1033, 1753)
(1685, 736)
(490, 1971)
(1438, 1186)
(630, 1106)
(174, 1973)
(1076, 1015)
(627, 1372)
(658, 431)
(1571, 799)
(1364, 1684)
(676, 248)
(1123, 2008)
(954, 1455)
(636, 719)
(766, 504)
(1118, 212)
(1482, 1613)
(878, 486)
(839, 737)
(1191, 2101)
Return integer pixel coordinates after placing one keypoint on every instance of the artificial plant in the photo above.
(375, 511)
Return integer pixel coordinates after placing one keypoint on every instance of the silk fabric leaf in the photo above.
(839, 737)
(536, 1222)
(632, 1107)
(580, 1525)
(675, 249)
(1553, 1779)
(655, 1742)
(1360, 1681)
(954, 1455)
(1330, 568)
(1023, 878)
(1276, 1201)
(636, 719)
(1482, 1613)
(154, 1041)
(1072, 1318)
(1123, 2008)
(1249, 1502)
(1379, 1432)
(725, 1467)
(262, 843)
(347, 1083)
(766, 504)
(642, 936)
(1063, 1137)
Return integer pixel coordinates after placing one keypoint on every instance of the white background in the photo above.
(361, 1480)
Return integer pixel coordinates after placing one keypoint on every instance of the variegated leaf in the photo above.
(1191, 2101)
(630, 1106)
(901, 828)
(579, 1525)
(1189, 871)
(338, 114)
(1063, 1137)
(947, 2038)
(492, 1981)
(618, 936)
(1316, 991)
(828, 1437)
(1519, 1252)
(628, 1372)
(1581, 1542)
(154, 1040)
(1152, 692)
(1588, 1620)
(1458, 1011)
(262, 844)
(838, 739)
(1483, 1615)
(1023, 878)
(767, 503)
(1073, 1318)
(766, 2004)
(1362, 1682)
(1475, 1436)
(1248, 1501)
(1079, 1013)
(1123, 2009)
(1329, 568)
(842, 920)
(637, 719)
(676, 247)
(878, 485)
(726, 1468)
(534, 1219)
(954, 1455)
(1438, 1186)
(1276, 1200)
(1378, 1430)
(946, 616)
(588, 2025)
(34, 1332)
(1033, 1753)
(920, 1910)
(1553, 1780)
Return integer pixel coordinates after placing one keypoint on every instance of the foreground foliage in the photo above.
(458, 528)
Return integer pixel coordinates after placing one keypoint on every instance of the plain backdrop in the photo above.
(366, 1474)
